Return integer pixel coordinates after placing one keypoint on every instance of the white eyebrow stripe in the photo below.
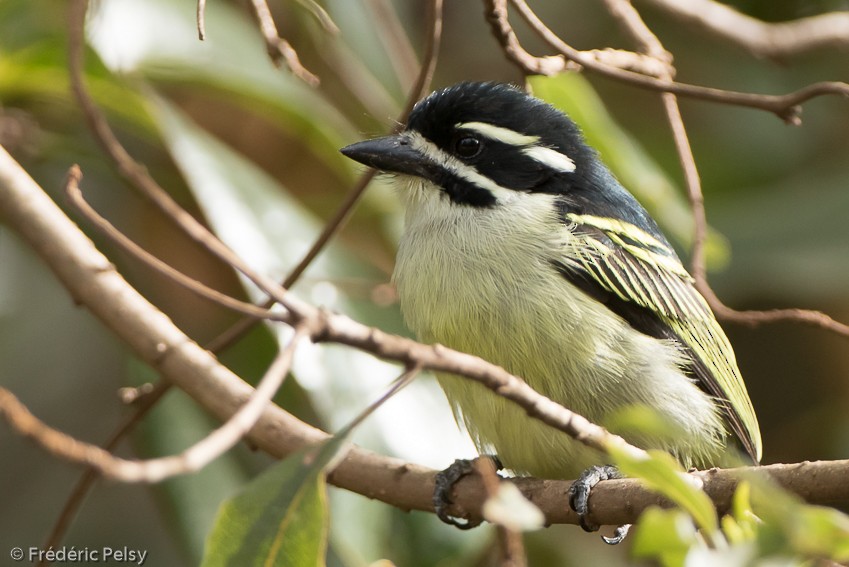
(452, 164)
(499, 134)
(550, 158)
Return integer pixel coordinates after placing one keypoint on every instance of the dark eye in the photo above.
(467, 146)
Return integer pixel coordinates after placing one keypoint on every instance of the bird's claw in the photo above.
(579, 499)
(444, 483)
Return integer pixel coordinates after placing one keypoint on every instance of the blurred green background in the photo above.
(254, 152)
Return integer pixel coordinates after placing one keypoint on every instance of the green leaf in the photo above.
(665, 535)
(791, 526)
(661, 473)
(281, 517)
(742, 524)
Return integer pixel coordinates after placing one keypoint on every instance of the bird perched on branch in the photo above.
(521, 247)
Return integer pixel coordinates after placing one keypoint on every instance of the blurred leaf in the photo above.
(664, 535)
(662, 474)
(742, 525)
(163, 46)
(792, 527)
(281, 517)
(632, 164)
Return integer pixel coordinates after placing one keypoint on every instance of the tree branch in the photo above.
(762, 39)
(280, 50)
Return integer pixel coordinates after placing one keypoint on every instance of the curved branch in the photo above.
(762, 39)
(280, 50)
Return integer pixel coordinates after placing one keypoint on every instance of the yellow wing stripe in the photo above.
(641, 269)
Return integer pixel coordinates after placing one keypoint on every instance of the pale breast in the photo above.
(482, 281)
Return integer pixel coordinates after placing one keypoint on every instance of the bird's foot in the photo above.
(445, 481)
(579, 495)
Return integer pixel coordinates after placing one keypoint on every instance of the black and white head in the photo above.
(486, 145)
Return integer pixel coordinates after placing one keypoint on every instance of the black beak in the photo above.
(390, 153)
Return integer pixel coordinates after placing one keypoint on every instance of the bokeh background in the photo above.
(253, 151)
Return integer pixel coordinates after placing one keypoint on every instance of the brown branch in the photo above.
(279, 50)
(762, 39)
(786, 107)
(94, 283)
(753, 318)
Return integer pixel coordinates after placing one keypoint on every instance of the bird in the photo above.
(520, 246)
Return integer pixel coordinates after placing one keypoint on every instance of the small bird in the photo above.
(521, 247)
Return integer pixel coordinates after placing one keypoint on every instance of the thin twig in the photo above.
(763, 39)
(633, 24)
(409, 374)
(280, 50)
(786, 107)
(754, 318)
(201, 19)
(510, 545)
(155, 470)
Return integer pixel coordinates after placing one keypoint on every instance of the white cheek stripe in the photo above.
(452, 164)
(499, 134)
(550, 158)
